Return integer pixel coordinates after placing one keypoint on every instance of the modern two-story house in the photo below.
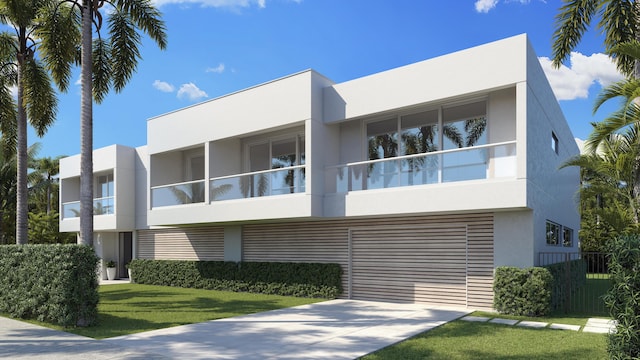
(418, 180)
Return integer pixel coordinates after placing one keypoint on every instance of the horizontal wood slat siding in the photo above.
(201, 243)
(410, 264)
(319, 242)
(328, 241)
(480, 264)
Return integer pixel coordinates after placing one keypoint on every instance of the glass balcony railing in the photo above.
(190, 192)
(472, 163)
(101, 206)
(289, 180)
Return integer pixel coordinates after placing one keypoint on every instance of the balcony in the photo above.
(287, 180)
(101, 206)
(496, 160)
(482, 177)
(267, 194)
(188, 192)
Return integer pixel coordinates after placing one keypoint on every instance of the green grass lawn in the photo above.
(472, 340)
(131, 308)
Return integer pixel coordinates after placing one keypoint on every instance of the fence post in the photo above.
(567, 272)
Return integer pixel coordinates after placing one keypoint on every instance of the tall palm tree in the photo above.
(618, 22)
(47, 28)
(108, 63)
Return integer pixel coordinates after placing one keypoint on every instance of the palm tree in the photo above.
(44, 27)
(618, 21)
(8, 190)
(610, 175)
(7, 194)
(44, 172)
(106, 63)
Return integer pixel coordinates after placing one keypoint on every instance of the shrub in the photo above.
(523, 292)
(51, 283)
(572, 272)
(623, 299)
(290, 279)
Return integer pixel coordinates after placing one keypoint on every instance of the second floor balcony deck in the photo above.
(281, 181)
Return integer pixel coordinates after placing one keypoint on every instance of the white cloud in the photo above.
(218, 69)
(216, 3)
(14, 91)
(483, 6)
(573, 82)
(191, 92)
(163, 86)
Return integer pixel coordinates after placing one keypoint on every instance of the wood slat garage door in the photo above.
(410, 264)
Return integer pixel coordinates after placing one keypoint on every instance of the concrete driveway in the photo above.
(336, 329)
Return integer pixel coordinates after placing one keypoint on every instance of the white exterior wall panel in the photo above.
(430, 80)
(268, 106)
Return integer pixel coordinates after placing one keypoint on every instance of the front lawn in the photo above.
(131, 308)
(472, 340)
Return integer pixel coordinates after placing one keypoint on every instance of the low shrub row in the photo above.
(51, 283)
(522, 292)
(290, 279)
(573, 273)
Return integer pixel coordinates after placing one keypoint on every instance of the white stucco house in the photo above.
(419, 180)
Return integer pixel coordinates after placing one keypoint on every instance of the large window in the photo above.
(464, 126)
(103, 203)
(454, 127)
(278, 153)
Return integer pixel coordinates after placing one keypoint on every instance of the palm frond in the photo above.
(101, 74)
(39, 97)
(147, 18)
(59, 34)
(619, 25)
(571, 23)
(125, 54)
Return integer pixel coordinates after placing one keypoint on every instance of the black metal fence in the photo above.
(581, 281)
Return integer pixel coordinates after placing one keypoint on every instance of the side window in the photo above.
(553, 233)
(554, 142)
(567, 237)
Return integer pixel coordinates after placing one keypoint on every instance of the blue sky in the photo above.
(220, 46)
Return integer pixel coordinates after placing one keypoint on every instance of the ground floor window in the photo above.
(567, 237)
(559, 235)
(553, 233)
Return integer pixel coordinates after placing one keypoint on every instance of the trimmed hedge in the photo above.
(623, 299)
(522, 292)
(51, 283)
(576, 270)
(277, 278)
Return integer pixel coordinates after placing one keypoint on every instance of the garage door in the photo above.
(410, 264)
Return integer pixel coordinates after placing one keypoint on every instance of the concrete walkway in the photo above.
(21, 340)
(594, 325)
(337, 329)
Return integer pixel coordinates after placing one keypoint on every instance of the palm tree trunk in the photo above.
(48, 194)
(86, 129)
(21, 201)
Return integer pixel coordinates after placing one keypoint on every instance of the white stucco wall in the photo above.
(513, 243)
(267, 106)
(141, 184)
(430, 80)
(552, 192)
